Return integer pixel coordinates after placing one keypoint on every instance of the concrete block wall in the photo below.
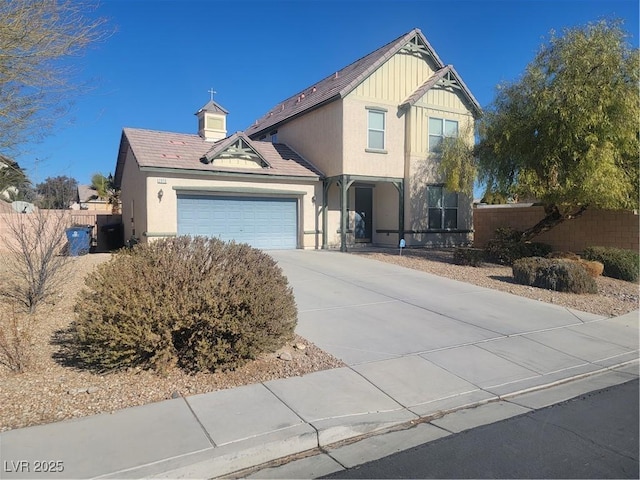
(96, 219)
(606, 228)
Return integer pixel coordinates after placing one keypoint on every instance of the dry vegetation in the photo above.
(50, 391)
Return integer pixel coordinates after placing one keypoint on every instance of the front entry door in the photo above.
(364, 214)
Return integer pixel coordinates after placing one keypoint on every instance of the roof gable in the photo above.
(237, 146)
(446, 78)
(344, 81)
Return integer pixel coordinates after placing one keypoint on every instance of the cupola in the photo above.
(212, 122)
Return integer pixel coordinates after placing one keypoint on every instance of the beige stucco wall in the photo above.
(133, 198)
(358, 160)
(386, 208)
(317, 136)
(163, 213)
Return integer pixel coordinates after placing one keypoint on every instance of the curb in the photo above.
(280, 448)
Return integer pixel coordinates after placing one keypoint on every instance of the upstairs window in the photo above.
(376, 140)
(442, 208)
(439, 128)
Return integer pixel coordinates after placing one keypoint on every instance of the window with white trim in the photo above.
(439, 129)
(376, 129)
(442, 208)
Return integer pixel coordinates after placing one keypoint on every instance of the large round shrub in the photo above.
(198, 303)
(553, 274)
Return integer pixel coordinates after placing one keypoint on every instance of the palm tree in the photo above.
(13, 181)
(100, 184)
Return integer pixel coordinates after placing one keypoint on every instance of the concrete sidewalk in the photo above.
(416, 346)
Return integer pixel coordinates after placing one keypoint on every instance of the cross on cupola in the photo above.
(212, 93)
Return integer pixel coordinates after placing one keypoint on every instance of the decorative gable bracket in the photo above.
(238, 148)
(417, 48)
(449, 80)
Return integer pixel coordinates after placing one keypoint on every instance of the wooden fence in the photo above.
(95, 219)
(606, 228)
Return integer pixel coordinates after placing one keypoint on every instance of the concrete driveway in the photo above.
(363, 310)
(418, 348)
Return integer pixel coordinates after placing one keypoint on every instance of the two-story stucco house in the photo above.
(350, 159)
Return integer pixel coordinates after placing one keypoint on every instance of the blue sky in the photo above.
(156, 69)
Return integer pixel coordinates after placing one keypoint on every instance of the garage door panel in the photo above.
(262, 222)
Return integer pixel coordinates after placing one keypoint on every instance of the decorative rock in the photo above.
(92, 390)
(286, 356)
(76, 391)
(300, 346)
(176, 394)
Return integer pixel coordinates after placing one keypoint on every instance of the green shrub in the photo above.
(553, 274)
(198, 303)
(468, 256)
(618, 263)
(506, 246)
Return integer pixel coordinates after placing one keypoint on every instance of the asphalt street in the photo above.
(592, 436)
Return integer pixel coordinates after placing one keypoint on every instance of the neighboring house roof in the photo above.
(86, 193)
(191, 152)
(344, 81)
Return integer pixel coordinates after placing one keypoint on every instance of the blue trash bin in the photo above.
(79, 240)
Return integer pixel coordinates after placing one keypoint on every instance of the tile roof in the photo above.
(86, 193)
(343, 82)
(157, 149)
(338, 84)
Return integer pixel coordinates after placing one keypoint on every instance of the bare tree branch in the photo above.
(35, 87)
(36, 260)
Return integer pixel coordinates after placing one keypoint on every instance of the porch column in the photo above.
(400, 187)
(326, 184)
(344, 184)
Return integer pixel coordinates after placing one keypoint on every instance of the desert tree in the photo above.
(567, 132)
(57, 192)
(36, 86)
(35, 263)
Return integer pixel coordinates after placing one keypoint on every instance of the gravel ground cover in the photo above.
(49, 391)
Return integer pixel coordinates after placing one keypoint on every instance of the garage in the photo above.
(262, 222)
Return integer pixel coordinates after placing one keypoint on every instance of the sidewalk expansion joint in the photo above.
(294, 412)
(204, 430)
(405, 407)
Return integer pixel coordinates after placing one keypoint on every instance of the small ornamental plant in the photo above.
(618, 263)
(197, 303)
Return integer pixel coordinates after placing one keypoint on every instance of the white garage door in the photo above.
(266, 223)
